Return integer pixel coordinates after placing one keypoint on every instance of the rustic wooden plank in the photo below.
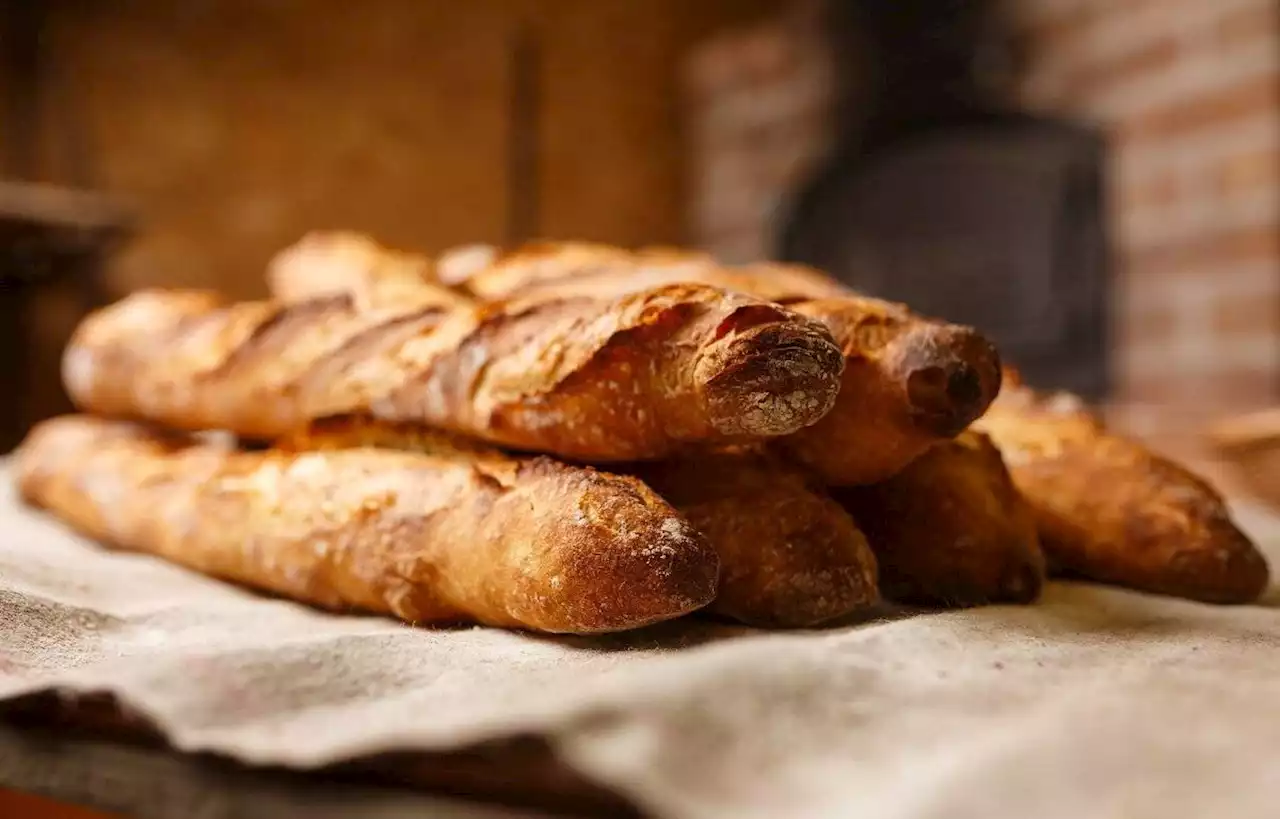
(30, 806)
(154, 784)
(521, 773)
(55, 207)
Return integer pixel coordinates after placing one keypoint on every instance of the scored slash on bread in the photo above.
(445, 537)
(908, 382)
(789, 555)
(734, 392)
(344, 263)
(629, 378)
(1105, 508)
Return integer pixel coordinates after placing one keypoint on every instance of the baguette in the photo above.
(789, 555)
(1110, 510)
(635, 377)
(951, 529)
(488, 274)
(377, 278)
(553, 269)
(439, 538)
(908, 383)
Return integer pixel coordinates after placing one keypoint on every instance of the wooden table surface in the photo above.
(15, 803)
(45, 774)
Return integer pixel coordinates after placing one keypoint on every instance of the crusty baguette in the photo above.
(490, 274)
(908, 384)
(1112, 511)
(432, 538)
(789, 555)
(628, 378)
(378, 278)
(556, 268)
(951, 529)
(908, 381)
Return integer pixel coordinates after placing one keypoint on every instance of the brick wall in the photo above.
(1189, 93)
(236, 126)
(757, 111)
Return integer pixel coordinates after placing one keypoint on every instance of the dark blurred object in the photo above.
(53, 239)
(942, 194)
(1250, 444)
(52, 244)
(524, 177)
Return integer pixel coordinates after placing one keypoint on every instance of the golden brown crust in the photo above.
(908, 384)
(540, 268)
(429, 538)
(194, 363)
(908, 381)
(339, 262)
(1110, 510)
(951, 529)
(558, 269)
(634, 377)
(789, 555)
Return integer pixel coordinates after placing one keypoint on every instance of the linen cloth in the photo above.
(1095, 702)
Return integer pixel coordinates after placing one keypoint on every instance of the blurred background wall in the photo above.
(1186, 94)
(1094, 182)
(231, 127)
(238, 124)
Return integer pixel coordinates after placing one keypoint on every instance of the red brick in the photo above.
(1200, 395)
(1244, 315)
(1145, 325)
(1206, 252)
(786, 148)
(1187, 219)
(1246, 98)
(715, 66)
(1155, 192)
(1203, 191)
(1233, 387)
(765, 52)
(1150, 388)
(1258, 20)
(1249, 171)
(1039, 27)
(748, 244)
(725, 209)
(1154, 56)
(1192, 157)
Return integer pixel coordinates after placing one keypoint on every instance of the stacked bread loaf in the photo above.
(576, 438)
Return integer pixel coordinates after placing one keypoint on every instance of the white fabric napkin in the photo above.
(1095, 702)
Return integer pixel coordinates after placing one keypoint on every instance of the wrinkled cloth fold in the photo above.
(1093, 702)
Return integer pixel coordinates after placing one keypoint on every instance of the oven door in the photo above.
(997, 226)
